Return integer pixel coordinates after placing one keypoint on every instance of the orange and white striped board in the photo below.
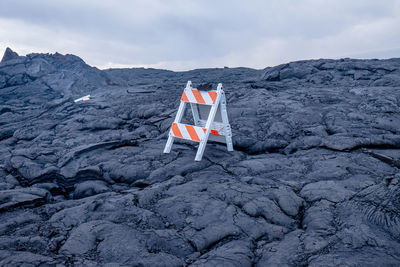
(190, 132)
(201, 131)
(199, 97)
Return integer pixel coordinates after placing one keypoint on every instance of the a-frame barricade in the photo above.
(210, 104)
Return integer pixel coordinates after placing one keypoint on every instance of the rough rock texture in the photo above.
(314, 178)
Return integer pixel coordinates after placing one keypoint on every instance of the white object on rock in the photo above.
(83, 98)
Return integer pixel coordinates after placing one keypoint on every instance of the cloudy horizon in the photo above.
(183, 35)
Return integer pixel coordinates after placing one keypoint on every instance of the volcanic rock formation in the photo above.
(314, 179)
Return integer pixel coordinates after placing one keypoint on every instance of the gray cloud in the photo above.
(179, 34)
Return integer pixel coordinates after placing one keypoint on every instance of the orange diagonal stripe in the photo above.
(192, 133)
(184, 97)
(175, 130)
(198, 96)
(213, 95)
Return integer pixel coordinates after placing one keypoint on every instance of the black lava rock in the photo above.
(9, 55)
(313, 180)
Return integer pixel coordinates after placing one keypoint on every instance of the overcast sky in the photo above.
(185, 34)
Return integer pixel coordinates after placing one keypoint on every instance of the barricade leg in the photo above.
(200, 150)
(227, 127)
(168, 146)
(210, 119)
(178, 118)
